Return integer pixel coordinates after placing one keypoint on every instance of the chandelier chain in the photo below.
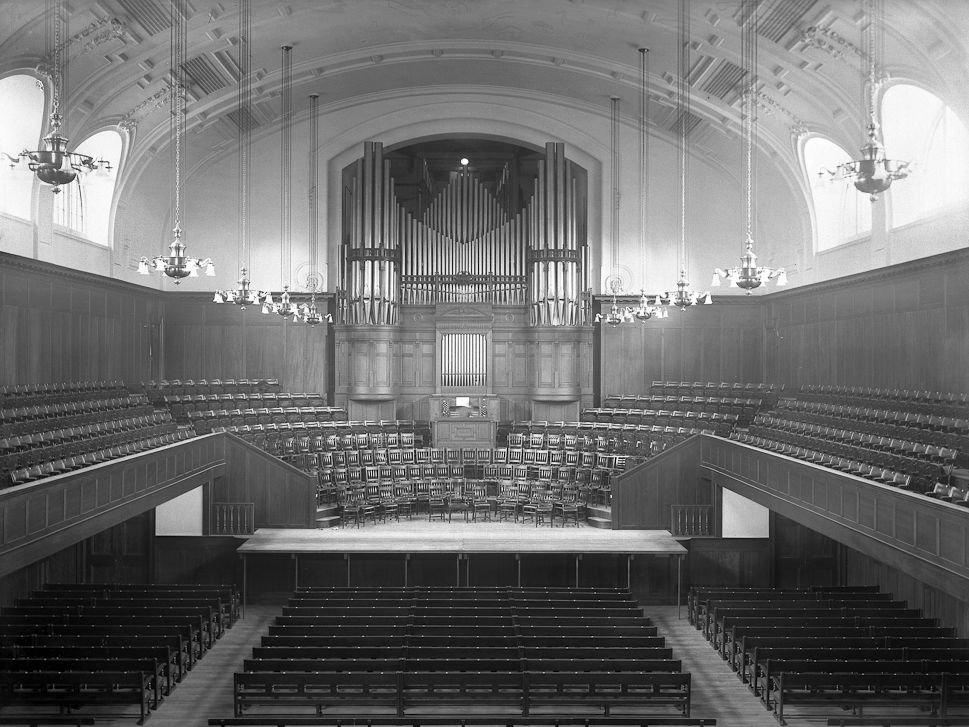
(179, 37)
(683, 117)
(313, 180)
(749, 111)
(245, 129)
(615, 185)
(286, 157)
(643, 154)
(873, 48)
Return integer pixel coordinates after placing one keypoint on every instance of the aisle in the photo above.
(717, 692)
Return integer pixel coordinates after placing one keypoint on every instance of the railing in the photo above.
(691, 520)
(233, 518)
(488, 288)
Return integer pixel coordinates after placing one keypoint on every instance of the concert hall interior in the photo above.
(541, 362)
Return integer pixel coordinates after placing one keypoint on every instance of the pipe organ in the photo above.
(464, 283)
(469, 244)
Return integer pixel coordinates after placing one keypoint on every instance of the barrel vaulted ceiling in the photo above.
(581, 51)
(575, 54)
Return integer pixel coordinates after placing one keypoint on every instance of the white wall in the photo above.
(180, 516)
(743, 518)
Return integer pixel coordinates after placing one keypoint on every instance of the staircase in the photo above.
(599, 516)
(328, 516)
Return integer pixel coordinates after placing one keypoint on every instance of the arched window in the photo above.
(84, 206)
(841, 213)
(918, 127)
(22, 101)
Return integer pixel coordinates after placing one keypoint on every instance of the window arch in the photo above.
(84, 207)
(841, 214)
(22, 101)
(919, 127)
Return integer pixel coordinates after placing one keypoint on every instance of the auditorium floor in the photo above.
(207, 690)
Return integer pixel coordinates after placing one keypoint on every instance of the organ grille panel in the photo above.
(464, 359)
(467, 244)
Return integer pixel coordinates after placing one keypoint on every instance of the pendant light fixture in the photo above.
(243, 296)
(644, 311)
(872, 173)
(285, 306)
(748, 275)
(176, 264)
(683, 297)
(55, 165)
(310, 313)
(614, 282)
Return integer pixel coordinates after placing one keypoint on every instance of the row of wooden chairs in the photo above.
(857, 460)
(27, 394)
(869, 392)
(131, 442)
(208, 419)
(98, 646)
(840, 647)
(43, 412)
(906, 448)
(719, 422)
(178, 387)
(880, 416)
(407, 649)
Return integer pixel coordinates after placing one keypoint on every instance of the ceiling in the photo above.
(580, 52)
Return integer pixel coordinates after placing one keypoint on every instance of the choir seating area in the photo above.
(50, 429)
(916, 441)
(406, 652)
(97, 648)
(837, 649)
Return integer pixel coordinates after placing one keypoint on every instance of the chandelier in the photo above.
(244, 295)
(872, 173)
(683, 296)
(177, 264)
(749, 275)
(54, 165)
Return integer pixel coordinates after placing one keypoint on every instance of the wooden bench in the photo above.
(774, 667)
(175, 643)
(437, 720)
(35, 720)
(157, 669)
(462, 689)
(316, 689)
(857, 691)
(731, 625)
(899, 721)
(606, 690)
(162, 653)
(68, 689)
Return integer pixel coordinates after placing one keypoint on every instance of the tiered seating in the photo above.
(51, 429)
(710, 404)
(575, 651)
(158, 390)
(77, 645)
(843, 648)
(933, 403)
(716, 422)
(889, 443)
(638, 442)
(769, 393)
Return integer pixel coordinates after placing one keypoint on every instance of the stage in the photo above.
(406, 544)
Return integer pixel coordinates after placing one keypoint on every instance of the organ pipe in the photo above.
(466, 244)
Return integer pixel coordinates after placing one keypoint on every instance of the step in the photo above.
(600, 522)
(327, 510)
(603, 511)
(331, 521)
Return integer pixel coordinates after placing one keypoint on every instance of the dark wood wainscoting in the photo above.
(197, 559)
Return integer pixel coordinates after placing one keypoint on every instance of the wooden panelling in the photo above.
(740, 562)
(204, 340)
(211, 559)
(904, 327)
(65, 566)
(934, 602)
(284, 496)
(47, 516)
(61, 325)
(719, 342)
(642, 496)
(923, 538)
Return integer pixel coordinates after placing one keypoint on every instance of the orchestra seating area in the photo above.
(836, 648)
(50, 429)
(414, 651)
(95, 647)
(912, 440)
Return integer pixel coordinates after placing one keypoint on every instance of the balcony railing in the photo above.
(233, 518)
(691, 520)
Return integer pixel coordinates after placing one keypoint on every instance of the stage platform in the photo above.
(459, 554)
(461, 538)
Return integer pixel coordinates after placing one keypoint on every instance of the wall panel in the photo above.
(62, 325)
(204, 340)
(905, 327)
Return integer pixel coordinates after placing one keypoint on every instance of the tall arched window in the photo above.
(84, 206)
(918, 127)
(22, 101)
(841, 213)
